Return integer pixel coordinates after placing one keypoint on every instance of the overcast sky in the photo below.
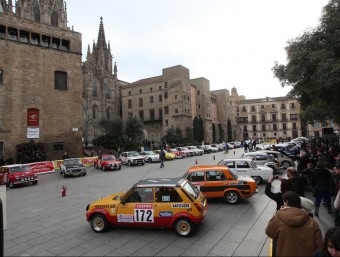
(229, 42)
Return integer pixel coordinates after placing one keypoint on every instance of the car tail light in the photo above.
(198, 207)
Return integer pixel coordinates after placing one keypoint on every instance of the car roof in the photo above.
(165, 182)
(237, 159)
(208, 167)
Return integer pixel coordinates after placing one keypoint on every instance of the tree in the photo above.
(229, 131)
(134, 129)
(220, 132)
(313, 67)
(200, 130)
(113, 128)
(195, 126)
(189, 134)
(213, 132)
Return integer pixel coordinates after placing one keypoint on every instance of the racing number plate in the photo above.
(144, 213)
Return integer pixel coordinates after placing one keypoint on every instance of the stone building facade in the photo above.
(100, 87)
(40, 82)
(269, 118)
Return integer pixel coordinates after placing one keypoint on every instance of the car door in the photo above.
(197, 179)
(137, 208)
(166, 199)
(215, 184)
(243, 168)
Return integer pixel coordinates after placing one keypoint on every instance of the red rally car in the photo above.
(107, 162)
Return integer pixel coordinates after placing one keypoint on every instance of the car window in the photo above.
(260, 157)
(191, 190)
(140, 195)
(167, 194)
(252, 165)
(242, 164)
(230, 164)
(196, 176)
(215, 175)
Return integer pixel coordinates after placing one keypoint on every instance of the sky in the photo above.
(232, 43)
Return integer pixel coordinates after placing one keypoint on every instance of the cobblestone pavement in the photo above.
(42, 223)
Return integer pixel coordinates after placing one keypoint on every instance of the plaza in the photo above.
(40, 222)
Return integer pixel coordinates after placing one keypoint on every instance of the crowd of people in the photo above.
(293, 228)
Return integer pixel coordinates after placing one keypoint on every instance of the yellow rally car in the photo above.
(217, 181)
(169, 203)
(168, 155)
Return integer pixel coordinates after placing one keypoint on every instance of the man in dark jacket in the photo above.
(162, 157)
(293, 231)
(296, 181)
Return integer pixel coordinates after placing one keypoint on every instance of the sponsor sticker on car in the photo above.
(180, 205)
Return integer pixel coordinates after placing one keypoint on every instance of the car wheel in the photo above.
(84, 174)
(129, 163)
(258, 180)
(99, 223)
(11, 184)
(143, 163)
(150, 160)
(184, 227)
(103, 168)
(119, 167)
(35, 182)
(285, 164)
(231, 197)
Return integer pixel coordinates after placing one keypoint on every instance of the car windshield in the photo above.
(253, 164)
(20, 168)
(234, 175)
(133, 154)
(72, 161)
(109, 157)
(191, 190)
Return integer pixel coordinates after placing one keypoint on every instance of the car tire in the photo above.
(258, 180)
(232, 197)
(99, 223)
(129, 163)
(184, 227)
(11, 184)
(150, 160)
(119, 167)
(35, 182)
(84, 174)
(285, 164)
(103, 168)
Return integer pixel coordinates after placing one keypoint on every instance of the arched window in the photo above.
(94, 87)
(54, 19)
(109, 113)
(36, 13)
(95, 112)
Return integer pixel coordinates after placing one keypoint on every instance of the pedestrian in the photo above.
(245, 145)
(334, 190)
(2, 160)
(321, 179)
(296, 181)
(162, 157)
(293, 231)
(331, 244)
(277, 196)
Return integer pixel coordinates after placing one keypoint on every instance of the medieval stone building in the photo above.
(100, 87)
(40, 81)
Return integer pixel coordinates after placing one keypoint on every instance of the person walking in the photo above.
(321, 179)
(296, 181)
(293, 231)
(162, 157)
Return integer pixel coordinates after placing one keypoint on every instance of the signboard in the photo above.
(33, 118)
(42, 167)
(33, 132)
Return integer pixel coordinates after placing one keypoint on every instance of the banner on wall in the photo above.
(87, 161)
(42, 167)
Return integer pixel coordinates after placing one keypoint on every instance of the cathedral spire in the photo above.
(101, 43)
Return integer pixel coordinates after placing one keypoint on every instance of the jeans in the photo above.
(322, 192)
(162, 163)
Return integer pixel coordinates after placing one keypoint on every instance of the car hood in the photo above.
(246, 178)
(112, 161)
(136, 157)
(109, 199)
